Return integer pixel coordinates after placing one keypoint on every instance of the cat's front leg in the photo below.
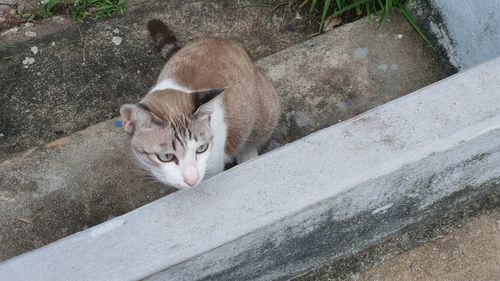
(248, 152)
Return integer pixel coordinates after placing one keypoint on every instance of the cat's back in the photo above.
(250, 103)
(209, 62)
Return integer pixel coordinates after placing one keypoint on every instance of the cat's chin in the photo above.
(184, 187)
(180, 186)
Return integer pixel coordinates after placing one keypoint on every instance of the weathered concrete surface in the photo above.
(85, 179)
(347, 72)
(71, 184)
(366, 179)
(85, 77)
(468, 33)
(468, 229)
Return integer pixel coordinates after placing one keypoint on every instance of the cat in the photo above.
(210, 106)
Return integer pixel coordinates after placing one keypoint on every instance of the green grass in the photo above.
(78, 10)
(329, 9)
(96, 9)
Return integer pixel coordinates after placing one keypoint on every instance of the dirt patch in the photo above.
(12, 11)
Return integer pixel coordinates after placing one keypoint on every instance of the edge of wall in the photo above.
(465, 35)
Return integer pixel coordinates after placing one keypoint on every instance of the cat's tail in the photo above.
(164, 38)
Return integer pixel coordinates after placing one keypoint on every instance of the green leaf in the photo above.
(303, 4)
(313, 5)
(323, 16)
(339, 4)
(347, 8)
(413, 23)
(368, 11)
(358, 9)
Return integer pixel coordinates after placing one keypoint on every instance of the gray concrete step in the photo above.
(81, 180)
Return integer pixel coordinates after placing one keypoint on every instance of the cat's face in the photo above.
(176, 147)
(175, 156)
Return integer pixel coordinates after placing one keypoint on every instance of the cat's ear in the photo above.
(134, 116)
(202, 98)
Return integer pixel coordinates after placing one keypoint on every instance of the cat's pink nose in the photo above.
(191, 176)
(192, 181)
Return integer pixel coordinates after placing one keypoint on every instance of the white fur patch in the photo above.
(217, 158)
(192, 165)
(192, 162)
(169, 84)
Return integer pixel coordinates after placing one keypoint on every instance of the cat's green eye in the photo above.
(166, 157)
(202, 148)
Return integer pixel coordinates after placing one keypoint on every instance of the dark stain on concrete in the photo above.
(345, 234)
(425, 16)
(418, 234)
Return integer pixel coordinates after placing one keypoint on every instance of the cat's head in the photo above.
(171, 135)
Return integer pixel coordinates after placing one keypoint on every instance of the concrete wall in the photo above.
(467, 31)
(325, 196)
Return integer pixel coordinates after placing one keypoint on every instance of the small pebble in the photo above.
(382, 67)
(400, 36)
(31, 34)
(12, 30)
(34, 50)
(39, 73)
(117, 40)
(58, 19)
(276, 20)
(1, 135)
(116, 30)
(360, 53)
(53, 44)
(28, 60)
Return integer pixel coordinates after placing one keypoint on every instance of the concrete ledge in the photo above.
(327, 195)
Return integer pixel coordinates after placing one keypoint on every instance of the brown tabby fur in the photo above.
(250, 103)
